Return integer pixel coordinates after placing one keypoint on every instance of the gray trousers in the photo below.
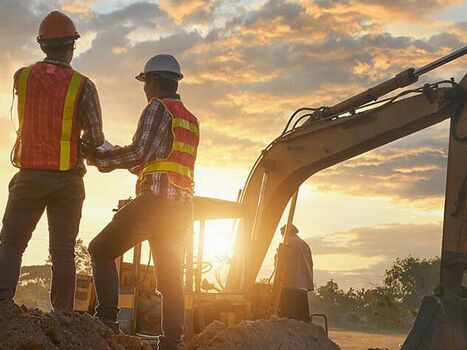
(31, 192)
(164, 224)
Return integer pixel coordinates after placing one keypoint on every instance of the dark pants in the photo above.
(164, 224)
(30, 193)
(294, 304)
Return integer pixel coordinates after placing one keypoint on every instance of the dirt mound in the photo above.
(31, 329)
(283, 334)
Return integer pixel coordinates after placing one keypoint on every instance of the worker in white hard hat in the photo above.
(163, 154)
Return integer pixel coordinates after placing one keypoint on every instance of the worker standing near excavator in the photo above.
(297, 277)
(57, 109)
(163, 154)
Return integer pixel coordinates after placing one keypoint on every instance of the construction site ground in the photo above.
(22, 328)
(352, 340)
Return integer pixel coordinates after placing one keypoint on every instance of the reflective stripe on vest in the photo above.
(67, 121)
(184, 147)
(22, 85)
(185, 124)
(67, 116)
(164, 166)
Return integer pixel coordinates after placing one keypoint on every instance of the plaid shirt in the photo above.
(89, 115)
(152, 141)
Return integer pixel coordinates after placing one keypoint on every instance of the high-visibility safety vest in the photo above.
(180, 163)
(48, 133)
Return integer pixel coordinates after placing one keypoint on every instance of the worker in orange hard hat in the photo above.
(58, 115)
(162, 154)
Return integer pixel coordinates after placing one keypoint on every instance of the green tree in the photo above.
(34, 283)
(82, 258)
(410, 279)
(33, 287)
(391, 305)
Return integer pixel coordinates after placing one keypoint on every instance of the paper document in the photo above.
(106, 146)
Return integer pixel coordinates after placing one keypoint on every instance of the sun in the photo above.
(219, 239)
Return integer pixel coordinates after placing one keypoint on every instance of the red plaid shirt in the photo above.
(152, 141)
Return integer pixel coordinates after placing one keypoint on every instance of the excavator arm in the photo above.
(298, 154)
(352, 127)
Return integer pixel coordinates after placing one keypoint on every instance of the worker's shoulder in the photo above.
(88, 84)
(17, 74)
(85, 77)
(155, 106)
(295, 239)
(21, 69)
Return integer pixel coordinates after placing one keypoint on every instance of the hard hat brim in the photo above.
(57, 41)
(141, 77)
(167, 75)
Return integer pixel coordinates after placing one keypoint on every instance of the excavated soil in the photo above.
(31, 329)
(274, 334)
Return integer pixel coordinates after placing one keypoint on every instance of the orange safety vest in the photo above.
(180, 163)
(48, 133)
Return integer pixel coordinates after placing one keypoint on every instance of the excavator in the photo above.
(315, 139)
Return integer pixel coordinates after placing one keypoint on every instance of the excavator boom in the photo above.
(293, 158)
(331, 135)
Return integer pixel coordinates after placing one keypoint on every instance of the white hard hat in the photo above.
(165, 65)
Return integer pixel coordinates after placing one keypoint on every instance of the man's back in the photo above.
(299, 269)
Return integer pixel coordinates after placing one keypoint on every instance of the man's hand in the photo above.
(104, 170)
(87, 150)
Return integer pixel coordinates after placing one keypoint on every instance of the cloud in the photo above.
(178, 9)
(411, 169)
(423, 240)
(79, 6)
(415, 10)
(247, 69)
(375, 247)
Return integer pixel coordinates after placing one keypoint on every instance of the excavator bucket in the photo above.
(441, 325)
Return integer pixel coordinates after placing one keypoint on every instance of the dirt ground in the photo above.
(274, 334)
(349, 340)
(22, 328)
(31, 329)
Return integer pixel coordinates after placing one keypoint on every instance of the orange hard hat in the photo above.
(57, 28)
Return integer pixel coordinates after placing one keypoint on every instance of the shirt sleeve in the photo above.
(90, 115)
(138, 152)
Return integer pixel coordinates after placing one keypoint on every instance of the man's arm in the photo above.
(143, 141)
(90, 115)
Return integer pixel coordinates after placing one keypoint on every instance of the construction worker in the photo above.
(163, 154)
(57, 109)
(297, 277)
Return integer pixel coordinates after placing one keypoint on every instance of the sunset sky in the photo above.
(248, 66)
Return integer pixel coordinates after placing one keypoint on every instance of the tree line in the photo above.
(392, 305)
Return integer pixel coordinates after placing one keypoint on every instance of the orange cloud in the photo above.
(79, 6)
(382, 10)
(178, 9)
